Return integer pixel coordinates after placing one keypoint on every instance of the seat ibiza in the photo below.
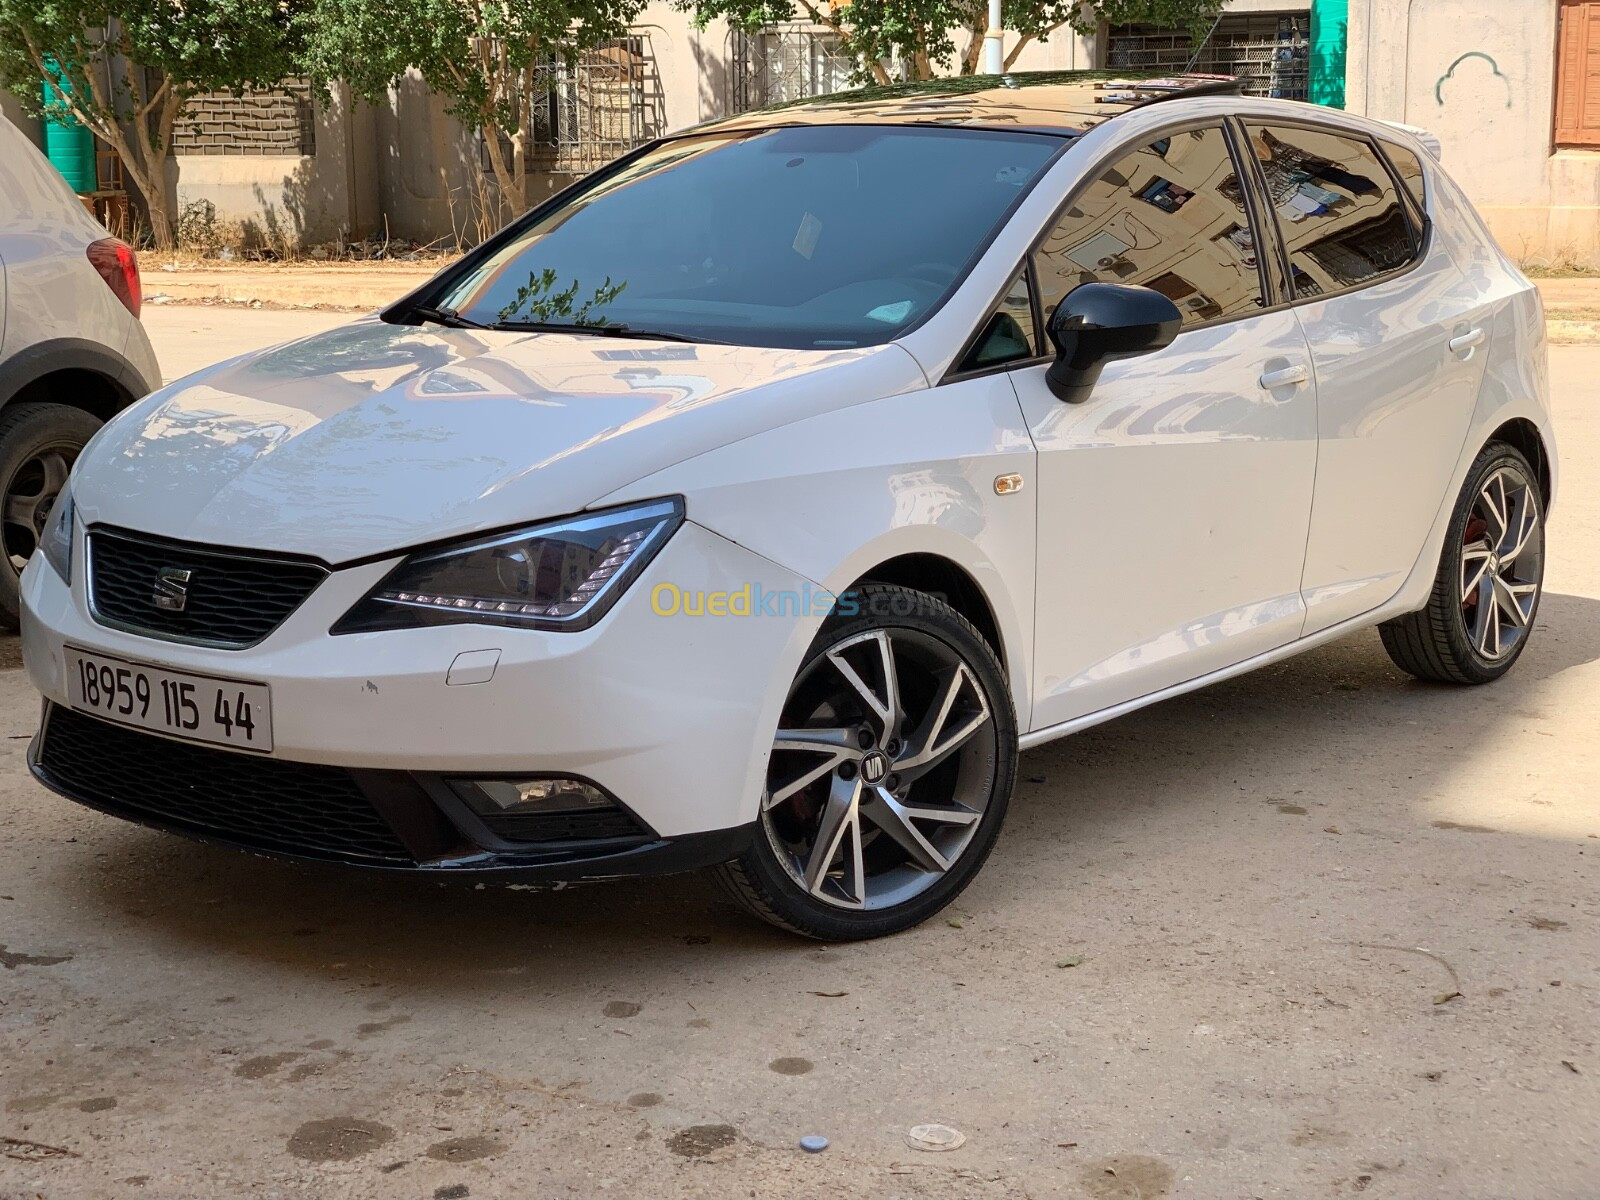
(750, 504)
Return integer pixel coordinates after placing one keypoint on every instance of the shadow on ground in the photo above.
(1343, 706)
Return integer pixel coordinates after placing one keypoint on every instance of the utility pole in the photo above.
(993, 57)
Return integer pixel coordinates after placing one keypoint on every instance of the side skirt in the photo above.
(1365, 621)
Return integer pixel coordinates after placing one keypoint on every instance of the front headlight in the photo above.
(561, 575)
(56, 541)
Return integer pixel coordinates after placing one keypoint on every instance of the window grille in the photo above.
(1270, 52)
(781, 63)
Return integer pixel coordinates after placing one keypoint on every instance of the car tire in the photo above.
(1491, 574)
(38, 445)
(927, 745)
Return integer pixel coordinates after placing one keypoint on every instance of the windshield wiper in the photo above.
(448, 317)
(614, 331)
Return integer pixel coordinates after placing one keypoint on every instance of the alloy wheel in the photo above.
(1502, 563)
(881, 769)
(30, 494)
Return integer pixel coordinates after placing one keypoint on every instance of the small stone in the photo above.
(813, 1143)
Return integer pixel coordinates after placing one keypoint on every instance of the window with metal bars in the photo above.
(594, 108)
(1270, 52)
(780, 63)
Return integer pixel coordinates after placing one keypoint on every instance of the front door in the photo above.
(1173, 503)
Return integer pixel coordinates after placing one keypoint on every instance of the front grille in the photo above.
(230, 600)
(262, 803)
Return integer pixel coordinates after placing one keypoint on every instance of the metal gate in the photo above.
(1271, 52)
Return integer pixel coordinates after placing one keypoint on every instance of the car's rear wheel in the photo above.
(38, 445)
(1491, 574)
(893, 762)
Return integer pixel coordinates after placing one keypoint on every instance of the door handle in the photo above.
(1473, 337)
(1287, 377)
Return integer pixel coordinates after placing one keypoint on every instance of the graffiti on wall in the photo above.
(1473, 73)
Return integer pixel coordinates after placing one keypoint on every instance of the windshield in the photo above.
(803, 237)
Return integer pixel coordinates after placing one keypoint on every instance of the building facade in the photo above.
(1511, 87)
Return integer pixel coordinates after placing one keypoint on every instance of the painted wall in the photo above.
(1481, 74)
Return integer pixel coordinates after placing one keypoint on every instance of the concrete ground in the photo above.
(1318, 931)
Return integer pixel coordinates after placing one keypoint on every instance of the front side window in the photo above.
(1341, 217)
(808, 237)
(1169, 216)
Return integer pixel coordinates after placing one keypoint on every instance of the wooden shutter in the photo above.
(1578, 74)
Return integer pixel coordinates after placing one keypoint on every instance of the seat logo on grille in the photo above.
(172, 589)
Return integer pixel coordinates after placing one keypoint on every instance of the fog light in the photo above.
(517, 797)
(549, 811)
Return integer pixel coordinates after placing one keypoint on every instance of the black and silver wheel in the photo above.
(38, 445)
(889, 775)
(1490, 576)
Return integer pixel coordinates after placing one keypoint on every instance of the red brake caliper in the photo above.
(1476, 528)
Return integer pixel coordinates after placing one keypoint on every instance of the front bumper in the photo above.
(671, 715)
(379, 820)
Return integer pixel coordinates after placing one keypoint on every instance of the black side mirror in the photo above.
(1096, 323)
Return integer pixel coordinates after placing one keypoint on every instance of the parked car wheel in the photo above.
(890, 773)
(1490, 578)
(38, 445)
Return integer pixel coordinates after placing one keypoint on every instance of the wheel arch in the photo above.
(949, 581)
(1523, 436)
(71, 371)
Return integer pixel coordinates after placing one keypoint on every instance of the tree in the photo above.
(486, 57)
(922, 35)
(126, 68)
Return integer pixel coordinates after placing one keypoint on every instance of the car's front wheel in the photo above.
(1490, 576)
(889, 776)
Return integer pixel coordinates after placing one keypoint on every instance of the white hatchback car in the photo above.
(72, 351)
(750, 504)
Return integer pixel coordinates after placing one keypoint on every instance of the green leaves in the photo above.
(217, 44)
(125, 68)
(926, 38)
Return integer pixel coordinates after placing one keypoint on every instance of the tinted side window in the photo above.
(1170, 216)
(1409, 167)
(1008, 333)
(1337, 206)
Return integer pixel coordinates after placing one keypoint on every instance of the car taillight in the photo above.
(119, 267)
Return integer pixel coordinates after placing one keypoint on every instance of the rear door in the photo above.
(1395, 331)
(1173, 503)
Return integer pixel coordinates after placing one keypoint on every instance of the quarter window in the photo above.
(1008, 335)
(1337, 207)
(1409, 167)
(1170, 216)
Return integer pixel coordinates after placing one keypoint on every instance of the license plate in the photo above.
(201, 708)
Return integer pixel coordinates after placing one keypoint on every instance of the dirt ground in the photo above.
(1317, 932)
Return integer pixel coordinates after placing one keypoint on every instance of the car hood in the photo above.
(374, 438)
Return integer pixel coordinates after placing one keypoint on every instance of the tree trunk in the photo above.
(512, 190)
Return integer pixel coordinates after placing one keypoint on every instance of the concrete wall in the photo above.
(299, 199)
(11, 109)
(1480, 74)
